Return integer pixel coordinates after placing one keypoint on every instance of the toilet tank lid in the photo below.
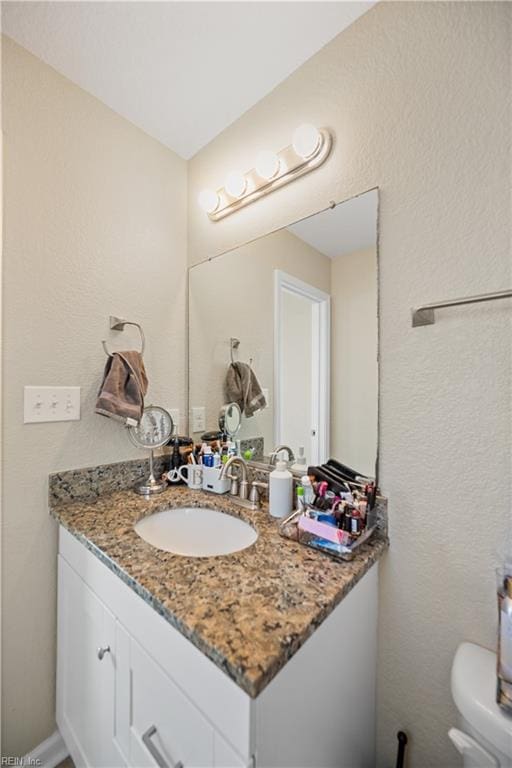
(474, 693)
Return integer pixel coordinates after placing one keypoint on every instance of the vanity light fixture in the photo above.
(267, 165)
(235, 184)
(209, 200)
(305, 141)
(310, 148)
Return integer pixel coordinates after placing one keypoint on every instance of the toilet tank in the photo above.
(484, 736)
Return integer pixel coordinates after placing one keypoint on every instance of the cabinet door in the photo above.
(86, 682)
(224, 755)
(166, 728)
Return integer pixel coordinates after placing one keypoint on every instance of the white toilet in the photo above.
(485, 735)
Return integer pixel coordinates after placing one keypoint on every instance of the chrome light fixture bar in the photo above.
(309, 149)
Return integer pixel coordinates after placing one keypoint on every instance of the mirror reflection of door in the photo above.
(301, 366)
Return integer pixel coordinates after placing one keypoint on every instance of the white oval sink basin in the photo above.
(196, 532)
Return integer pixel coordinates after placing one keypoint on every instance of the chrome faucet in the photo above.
(241, 492)
(273, 455)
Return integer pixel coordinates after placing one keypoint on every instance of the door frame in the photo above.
(320, 370)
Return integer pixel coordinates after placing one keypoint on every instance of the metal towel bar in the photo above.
(118, 324)
(425, 315)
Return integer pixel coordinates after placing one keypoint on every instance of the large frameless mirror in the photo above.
(296, 344)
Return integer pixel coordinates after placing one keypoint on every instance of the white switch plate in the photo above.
(51, 404)
(198, 419)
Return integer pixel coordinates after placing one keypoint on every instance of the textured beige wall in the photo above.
(418, 95)
(95, 216)
(234, 296)
(354, 387)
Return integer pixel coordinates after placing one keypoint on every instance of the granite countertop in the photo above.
(249, 611)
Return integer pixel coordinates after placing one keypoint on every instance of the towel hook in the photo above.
(234, 344)
(118, 324)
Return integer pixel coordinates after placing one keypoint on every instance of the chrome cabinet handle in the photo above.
(103, 651)
(153, 751)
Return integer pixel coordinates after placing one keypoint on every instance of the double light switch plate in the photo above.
(51, 404)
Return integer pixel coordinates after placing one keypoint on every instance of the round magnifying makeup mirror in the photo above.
(153, 431)
(230, 420)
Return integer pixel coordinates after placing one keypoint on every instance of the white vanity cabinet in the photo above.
(86, 701)
(133, 691)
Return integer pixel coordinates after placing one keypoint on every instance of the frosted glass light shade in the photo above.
(306, 139)
(235, 184)
(208, 200)
(267, 164)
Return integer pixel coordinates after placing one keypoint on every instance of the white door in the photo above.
(301, 367)
(86, 674)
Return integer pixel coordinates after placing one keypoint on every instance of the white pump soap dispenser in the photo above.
(280, 490)
(301, 462)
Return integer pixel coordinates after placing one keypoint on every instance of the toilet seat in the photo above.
(485, 738)
(475, 756)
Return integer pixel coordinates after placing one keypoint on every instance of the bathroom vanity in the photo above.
(265, 657)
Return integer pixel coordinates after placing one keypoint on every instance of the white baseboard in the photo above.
(49, 753)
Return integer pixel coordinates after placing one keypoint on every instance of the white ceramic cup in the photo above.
(173, 476)
(194, 476)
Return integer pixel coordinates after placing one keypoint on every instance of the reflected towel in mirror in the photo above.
(242, 387)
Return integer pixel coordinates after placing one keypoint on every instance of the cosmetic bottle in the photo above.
(176, 463)
(208, 457)
(504, 696)
(301, 463)
(309, 493)
(230, 449)
(280, 491)
(300, 499)
(355, 523)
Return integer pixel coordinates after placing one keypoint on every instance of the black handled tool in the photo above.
(402, 741)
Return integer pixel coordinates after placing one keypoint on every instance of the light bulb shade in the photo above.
(306, 139)
(208, 200)
(267, 164)
(235, 184)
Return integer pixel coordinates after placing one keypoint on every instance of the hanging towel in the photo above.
(122, 390)
(242, 387)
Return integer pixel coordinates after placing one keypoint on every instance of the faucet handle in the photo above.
(244, 489)
(233, 489)
(254, 494)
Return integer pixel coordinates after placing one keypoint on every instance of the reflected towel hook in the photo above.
(234, 344)
(118, 324)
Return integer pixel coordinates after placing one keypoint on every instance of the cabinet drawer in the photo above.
(182, 734)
